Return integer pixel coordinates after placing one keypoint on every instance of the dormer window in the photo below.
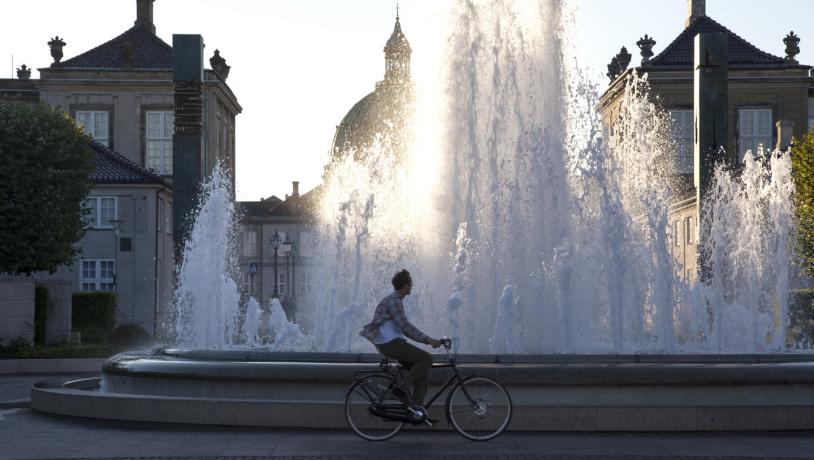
(95, 124)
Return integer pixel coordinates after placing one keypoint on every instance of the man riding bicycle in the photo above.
(387, 331)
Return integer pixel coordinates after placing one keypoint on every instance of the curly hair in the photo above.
(402, 279)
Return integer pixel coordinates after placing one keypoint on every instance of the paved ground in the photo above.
(28, 434)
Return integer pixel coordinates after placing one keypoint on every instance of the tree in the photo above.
(802, 163)
(44, 167)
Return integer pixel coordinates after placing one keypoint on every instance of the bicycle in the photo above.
(478, 408)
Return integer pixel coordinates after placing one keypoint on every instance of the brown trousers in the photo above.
(413, 358)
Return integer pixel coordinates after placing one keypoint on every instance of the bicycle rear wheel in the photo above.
(364, 394)
(479, 408)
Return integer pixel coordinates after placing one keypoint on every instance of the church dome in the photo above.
(382, 112)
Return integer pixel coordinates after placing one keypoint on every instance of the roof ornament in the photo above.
(56, 44)
(219, 66)
(618, 64)
(646, 44)
(792, 42)
(397, 10)
(24, 72)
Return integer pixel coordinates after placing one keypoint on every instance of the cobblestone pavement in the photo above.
(28, 434)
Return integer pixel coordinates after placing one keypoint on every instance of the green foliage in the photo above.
(26, 351)
(802, 162)
(45, 161)
(130, 336)
(94, 314)
(801, 317)
(40, 314)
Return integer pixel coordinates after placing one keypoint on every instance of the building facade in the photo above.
(121, 93)
(769, 101)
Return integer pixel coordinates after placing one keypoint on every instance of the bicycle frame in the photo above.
(454, 379)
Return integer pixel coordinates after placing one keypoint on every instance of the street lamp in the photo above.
(116, 223)
(275, 244)
(293, 304)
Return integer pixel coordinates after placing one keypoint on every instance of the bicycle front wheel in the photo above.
(365, 394)
(479, 408)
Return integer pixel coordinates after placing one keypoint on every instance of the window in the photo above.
(281, 284)
(681, 125)
(689, 229)
(102, 210)
(249, 244)
(95, 125)
(159, 141)
(676, 233)
(97, 275)
(305, 281)
(810, 124)
(754, 129)
(248, 283)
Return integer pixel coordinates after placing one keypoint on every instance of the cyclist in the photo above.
(387, 331)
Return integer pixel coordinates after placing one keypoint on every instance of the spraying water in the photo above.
(529, 227)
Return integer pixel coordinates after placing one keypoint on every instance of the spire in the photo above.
(397, 53)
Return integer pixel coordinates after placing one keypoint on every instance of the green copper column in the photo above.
(187, 75)
(711, 107)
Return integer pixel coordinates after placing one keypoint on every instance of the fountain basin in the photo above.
(550, 392)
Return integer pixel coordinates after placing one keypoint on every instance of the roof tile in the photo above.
(148, 52)
(110, 167)
(680, 53)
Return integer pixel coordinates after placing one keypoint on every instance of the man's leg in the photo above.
(419, 362)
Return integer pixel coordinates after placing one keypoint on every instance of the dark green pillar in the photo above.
(711, 107)
(187, 75)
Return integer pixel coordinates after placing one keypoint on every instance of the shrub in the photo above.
(40, 314)
(129, 335)
(94, 314)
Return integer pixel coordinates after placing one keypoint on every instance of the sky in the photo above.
(298, 66)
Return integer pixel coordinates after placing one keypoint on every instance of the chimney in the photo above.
(296, 188)
(144, 14)
(695, 9)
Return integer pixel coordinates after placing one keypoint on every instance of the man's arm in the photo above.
(397, 313)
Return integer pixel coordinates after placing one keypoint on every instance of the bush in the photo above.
(130, 335)
(40, 314)
(94, 314)
(801, 317)
(25, 351)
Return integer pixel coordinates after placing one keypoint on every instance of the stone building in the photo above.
(121, 93)
(770, 98)
(288, 225)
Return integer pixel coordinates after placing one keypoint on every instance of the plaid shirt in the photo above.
(392, 308)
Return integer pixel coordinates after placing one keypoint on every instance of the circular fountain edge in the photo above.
(757, 393)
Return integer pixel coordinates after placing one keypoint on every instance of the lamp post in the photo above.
(275, 244)
(115, 223)
(293, 306)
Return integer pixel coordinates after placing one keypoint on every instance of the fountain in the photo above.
(534, 235)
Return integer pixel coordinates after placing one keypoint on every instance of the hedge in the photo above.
(40, 314)
(94, 314)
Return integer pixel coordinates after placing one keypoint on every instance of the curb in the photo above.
(51, 366)
(15, 404)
